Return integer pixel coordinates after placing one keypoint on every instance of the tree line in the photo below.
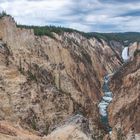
(49, 30)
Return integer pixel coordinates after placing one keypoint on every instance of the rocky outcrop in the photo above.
(125, 107)
(10, 131)
(45, 80)
(77, 127)
(133, 49)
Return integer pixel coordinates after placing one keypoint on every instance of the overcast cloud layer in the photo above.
(84, 15)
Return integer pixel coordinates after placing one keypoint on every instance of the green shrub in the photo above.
(136, 52)
(31, 76)
(3, 13)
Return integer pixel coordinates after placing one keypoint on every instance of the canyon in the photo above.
(50, 88)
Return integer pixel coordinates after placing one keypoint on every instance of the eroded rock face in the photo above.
(124, 111)
(10, 131)
(44, 81)
(133, 48)
(77, 127)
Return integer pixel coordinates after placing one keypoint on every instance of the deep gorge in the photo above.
(52, 86)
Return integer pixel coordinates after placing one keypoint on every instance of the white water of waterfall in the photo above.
(125, 54)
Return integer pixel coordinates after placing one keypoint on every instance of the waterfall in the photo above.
(125, 54)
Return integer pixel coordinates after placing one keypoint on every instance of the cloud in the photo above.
(121, 1)
(84, 15)
(135, 13)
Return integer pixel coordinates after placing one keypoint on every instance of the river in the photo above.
(107, 98)
(104, 103)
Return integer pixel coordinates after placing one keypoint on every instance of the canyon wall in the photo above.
(44, 81)
(124, 111)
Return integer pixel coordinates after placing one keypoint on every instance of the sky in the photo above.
(83, 15)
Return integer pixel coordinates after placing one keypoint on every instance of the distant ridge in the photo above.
(122, 37)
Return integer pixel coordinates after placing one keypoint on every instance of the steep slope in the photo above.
(124, 111)
(75, 128)
(45, 80)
